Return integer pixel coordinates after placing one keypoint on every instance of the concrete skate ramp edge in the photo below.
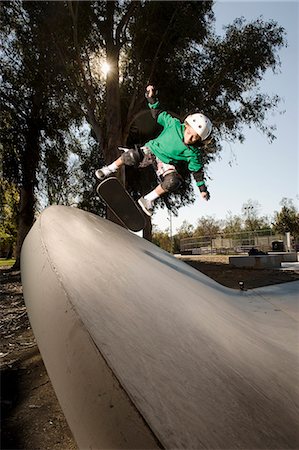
(144, 351)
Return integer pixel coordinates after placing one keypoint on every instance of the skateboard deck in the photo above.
(121, 204)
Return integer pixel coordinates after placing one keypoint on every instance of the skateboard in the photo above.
(121, 204)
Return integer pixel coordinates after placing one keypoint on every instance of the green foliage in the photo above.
(287, 219)
(35, 96)
(7, 262)
(9, 199)
(235, 64)
(232, 224)
(186, 230)
(162, 240)
(251, 218)
(41, 107)
(207, 226)
(172, 244)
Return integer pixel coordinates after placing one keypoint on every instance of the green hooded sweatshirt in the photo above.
(169, 146)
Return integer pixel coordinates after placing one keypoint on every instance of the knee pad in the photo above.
(171, 182)
(132, 157)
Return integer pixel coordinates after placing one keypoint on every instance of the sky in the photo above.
(255, 170)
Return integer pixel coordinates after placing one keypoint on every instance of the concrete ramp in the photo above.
(146, 352)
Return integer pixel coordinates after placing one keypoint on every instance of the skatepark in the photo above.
(144, 351)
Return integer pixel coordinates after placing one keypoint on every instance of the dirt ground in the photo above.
(31, 415)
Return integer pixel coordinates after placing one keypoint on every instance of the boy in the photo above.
(177, 142)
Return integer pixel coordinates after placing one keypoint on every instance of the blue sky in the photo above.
(256, 169)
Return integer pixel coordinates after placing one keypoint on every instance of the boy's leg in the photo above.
(169, 178)
(147, 202)
(170, 182)
(105, 171)
(130, 157)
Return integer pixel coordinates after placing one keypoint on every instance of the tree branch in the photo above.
(125, 21)
(155, 60)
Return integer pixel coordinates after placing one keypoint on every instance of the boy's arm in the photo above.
(200, 182)
(161, 116)
(153, 102)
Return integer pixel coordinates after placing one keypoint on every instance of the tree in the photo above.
(287, 219)
(35, 118)
(233, 224)
(252, 220)
(50, 57)
(207, 227)
(172, 45)
(186, 230)
(9, 198)
(162, 239)
(233, 71)
(113, 104)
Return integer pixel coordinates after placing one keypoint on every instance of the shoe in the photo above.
(102, 173)
(146, 206)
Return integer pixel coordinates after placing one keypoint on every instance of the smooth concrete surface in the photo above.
(284, 297)
(290, 266)
(144, 351)
(255, 261)
(286, 256)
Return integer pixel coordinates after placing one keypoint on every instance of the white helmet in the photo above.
(201, 124)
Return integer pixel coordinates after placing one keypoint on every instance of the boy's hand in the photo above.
(150, 91)
(205, 195)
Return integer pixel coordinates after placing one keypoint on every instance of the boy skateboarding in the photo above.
(176, 143)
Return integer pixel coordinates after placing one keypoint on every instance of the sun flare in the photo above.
(106, 68)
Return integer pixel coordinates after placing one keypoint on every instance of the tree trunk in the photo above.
(113, 117)
(147, 232)
(26, 219)
(113, 114)
(113, 109)
(30, 160)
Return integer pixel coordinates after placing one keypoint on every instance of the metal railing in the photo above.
(240, 242)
